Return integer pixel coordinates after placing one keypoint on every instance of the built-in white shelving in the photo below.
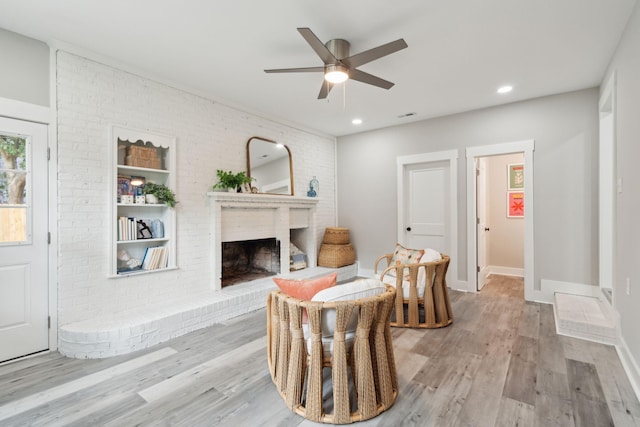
(126, 168)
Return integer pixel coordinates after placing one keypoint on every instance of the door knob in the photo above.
(408, 228)
(486, 229)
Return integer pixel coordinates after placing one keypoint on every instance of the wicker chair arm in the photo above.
(380, 258)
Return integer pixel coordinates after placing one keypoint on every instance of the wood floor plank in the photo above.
(46, 396)
(446, 401)
(514, 413)
(189, 377)
(529, 325)
(483, 401)
(550, 350)
(587, 396)
(616, 386)
(499, 363)
(520, 384)
(553, 411)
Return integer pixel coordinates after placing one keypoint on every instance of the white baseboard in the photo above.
(505, 271)
(629, 364)
(550, 287)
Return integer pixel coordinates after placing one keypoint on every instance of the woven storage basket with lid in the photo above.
(336, 236)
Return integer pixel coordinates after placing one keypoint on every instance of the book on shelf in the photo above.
(127, 228)
(155, 258)
(131, 228)
(124, 186)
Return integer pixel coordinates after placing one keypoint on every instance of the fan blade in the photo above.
(375, 53)
(325, 89)
(296, 70)
(322, 51)
(363, 77)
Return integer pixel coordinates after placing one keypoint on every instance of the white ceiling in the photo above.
(459, 51)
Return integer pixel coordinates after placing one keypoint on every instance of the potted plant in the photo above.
(161, 192)
(229, 181)
(243, 181)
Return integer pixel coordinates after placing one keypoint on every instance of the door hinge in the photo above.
(49, 322)
(478, 269)
(477, 220)
(49, 237)
(477, 172)
(48, 153)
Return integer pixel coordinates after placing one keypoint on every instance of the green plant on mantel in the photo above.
(162, 193)
(228, 180)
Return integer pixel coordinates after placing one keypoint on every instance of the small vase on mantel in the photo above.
(314, 187)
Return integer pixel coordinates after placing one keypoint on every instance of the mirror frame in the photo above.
(259, 138)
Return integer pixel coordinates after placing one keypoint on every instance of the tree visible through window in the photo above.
(13, 181)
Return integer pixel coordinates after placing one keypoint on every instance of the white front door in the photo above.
(427, 210)
(23, 239)
(482, 221)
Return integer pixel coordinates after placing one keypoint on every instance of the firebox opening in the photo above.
(247, 260)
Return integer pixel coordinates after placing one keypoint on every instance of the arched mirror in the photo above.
(269, 164)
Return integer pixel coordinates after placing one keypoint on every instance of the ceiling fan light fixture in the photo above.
(336, 74)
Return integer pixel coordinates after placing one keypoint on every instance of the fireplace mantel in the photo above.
(240, 216)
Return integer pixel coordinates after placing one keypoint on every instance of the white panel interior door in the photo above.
(23, 239)
(428, 206)
(482, 228)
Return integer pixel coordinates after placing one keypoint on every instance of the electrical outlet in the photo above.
(628, 286)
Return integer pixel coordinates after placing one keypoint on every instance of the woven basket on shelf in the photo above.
(336, 236)
(335, 256)
(142, 157)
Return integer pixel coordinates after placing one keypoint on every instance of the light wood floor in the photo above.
(499, 364)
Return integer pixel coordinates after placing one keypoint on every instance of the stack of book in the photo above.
(130, 228)
(155, 258)
(127, 228)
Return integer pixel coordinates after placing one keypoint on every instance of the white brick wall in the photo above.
(210, 136)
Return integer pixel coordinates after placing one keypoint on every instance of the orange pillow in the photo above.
(307, 288)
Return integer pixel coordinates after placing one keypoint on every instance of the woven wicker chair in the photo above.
(419, 305)
(363, 381)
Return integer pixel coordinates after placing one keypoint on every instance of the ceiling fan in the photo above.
(339, 66)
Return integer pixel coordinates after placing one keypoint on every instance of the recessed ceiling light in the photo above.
(505, 89)
(356, 121)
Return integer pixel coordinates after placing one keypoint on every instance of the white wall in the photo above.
(506, 244)
(24, 74)
(565, 130)
(210, 136)
(626, 64)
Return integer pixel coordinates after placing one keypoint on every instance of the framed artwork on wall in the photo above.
(515, 176)
(515, 204)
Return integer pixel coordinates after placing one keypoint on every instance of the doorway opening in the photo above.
(526, 197)
(500, 216)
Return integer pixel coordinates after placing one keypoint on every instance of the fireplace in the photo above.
(246, 260)
(239, 217)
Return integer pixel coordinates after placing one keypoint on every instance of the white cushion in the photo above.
(429, 255)
(351, 291)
